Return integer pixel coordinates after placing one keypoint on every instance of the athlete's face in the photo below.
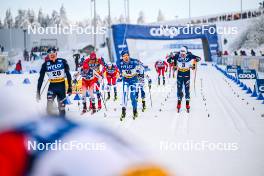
(183, 54)
(53, 56)
(126, 57)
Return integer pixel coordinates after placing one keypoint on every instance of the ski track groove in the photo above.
(240, 122)
(215, 93)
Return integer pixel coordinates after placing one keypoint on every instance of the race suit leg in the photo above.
(56, 90)
(187, 87)
(50, 100)
(125, 93)
(133, 90)
(179, 87)
(109, 83)
(114, 83)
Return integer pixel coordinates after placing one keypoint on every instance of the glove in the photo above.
(69, 92)
(193, 67)
(38, 97)
(75, 81)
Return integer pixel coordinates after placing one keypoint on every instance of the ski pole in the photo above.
(44, 87)
(103, 98)
(150, 94)
(195, 71)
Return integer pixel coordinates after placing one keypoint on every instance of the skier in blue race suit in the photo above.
(129, 69)
(184, 61)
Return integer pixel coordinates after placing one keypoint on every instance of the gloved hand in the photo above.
(193, 67)
(38, 97)
(74, 81)
(69, 92)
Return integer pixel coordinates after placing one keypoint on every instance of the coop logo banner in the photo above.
(66, 30)
(260, 85)
(164, 31)
(232, 68)
(247, 74)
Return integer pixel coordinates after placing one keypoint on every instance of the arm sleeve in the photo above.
(41, 76)
(196, 58)
(68, 74)
(102, 62)
(175, 58)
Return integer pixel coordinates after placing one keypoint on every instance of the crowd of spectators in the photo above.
(232, 16)
(36, 52)
(252, 52)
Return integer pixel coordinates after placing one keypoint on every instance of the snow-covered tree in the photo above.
(8, 21)
(63, 17)
(160, 16)
(41, 18)
(141, 18)
(1, 25)
(20, 18)
(46, 21)
(252, 37)
(55, 18)
(31, 16)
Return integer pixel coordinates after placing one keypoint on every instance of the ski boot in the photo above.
(93, 108)
(143, 105)
(99, 104)
(178, 106)
(188, 106)
(115, 96)
(108, 96)
(135, 114)
(163, 80)
(84, 108)
(123, 115)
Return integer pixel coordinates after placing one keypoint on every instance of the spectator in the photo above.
(76, 60)
(225, 53)
(2, 49)
(243, 53)
(26, 55)
(18, 66)
(253, 53)
(47, 58)
(235, 53)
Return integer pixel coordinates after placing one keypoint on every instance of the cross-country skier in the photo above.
(129, 70)
(112, 73)
(161, 67)
(184, 61)
(141, 85)
(89, 82)
(97, 64)
(56, 69)
(171, 65)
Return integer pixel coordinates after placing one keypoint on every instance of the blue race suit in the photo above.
(183, 77)
(129, 73)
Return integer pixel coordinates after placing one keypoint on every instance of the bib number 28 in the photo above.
(56, 73)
